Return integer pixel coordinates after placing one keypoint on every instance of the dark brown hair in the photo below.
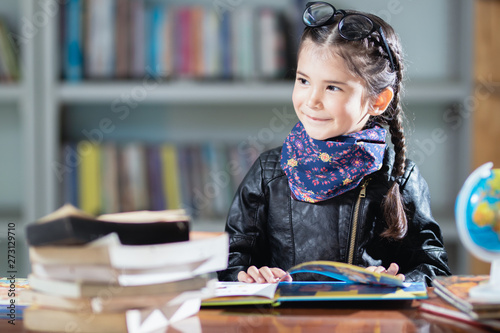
(368, 59)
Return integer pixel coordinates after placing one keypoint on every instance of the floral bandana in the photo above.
(318, 170)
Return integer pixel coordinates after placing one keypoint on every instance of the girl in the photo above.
(335, 190)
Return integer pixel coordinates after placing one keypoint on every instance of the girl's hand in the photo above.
(263, 275)
(392, 270)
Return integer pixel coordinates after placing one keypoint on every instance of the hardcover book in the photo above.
(455, 290)
(437, 306)
(355, 283)
(240, 293)
(71, 226)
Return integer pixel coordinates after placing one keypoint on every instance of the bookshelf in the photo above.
(47, 109)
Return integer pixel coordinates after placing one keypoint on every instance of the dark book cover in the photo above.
(72, 229)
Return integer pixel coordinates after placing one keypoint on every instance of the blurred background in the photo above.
(116, 105)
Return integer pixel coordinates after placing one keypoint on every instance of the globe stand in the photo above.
(489, 291)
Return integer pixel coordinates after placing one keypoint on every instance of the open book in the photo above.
(71, 226)
(355, 283)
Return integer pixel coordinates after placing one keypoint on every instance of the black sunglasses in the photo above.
(351, 27)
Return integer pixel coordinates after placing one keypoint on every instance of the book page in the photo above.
(169, 215)
(346, 272)
(65, 211)
(227, 289)
(175, 215)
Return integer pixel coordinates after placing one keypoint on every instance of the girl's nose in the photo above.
(314, 99)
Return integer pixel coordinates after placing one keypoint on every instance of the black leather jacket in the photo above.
(268, 228)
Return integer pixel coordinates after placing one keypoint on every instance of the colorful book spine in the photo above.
(155, 15)
(110, 202)
(155, 179)
(89, 177)
(8, 58)
(122, 42)
(135, 157)
(73, 68)
(171, 176)
(183, 41)
(138, 37)
(196, 49)
(211, 44)
(226, 50)
(165, 49)
(69, 158)
(100, 43)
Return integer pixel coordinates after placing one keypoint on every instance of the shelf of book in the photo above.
(111, 177)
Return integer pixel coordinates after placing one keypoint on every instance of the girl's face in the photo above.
(328, 99)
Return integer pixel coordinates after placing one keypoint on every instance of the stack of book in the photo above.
(126, 272)
(450, 299)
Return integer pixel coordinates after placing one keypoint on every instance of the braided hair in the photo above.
(368, 59)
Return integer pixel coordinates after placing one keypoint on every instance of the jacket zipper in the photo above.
(352, 243)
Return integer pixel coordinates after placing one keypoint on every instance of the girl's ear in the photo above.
(381, 102)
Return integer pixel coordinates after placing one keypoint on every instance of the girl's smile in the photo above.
(316, 119)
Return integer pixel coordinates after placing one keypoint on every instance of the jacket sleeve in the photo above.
(244, 225)
(422, 253)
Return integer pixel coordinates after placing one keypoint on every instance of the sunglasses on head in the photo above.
(352, 26)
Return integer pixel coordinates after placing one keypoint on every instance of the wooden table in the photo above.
(390, 316)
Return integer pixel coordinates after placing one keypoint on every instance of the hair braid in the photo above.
(393, 205)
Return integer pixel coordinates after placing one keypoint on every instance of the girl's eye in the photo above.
(302, 80)
(333, 88)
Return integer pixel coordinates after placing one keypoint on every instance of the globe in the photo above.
(477, 211)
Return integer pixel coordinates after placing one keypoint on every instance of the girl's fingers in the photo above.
(255, 274)
(393, 269)
(244, 277)
(267, 274)
(250, 276)
(286, 277)
(263, 275)
(281, 275)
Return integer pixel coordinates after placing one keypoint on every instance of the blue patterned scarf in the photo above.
(318, 170)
